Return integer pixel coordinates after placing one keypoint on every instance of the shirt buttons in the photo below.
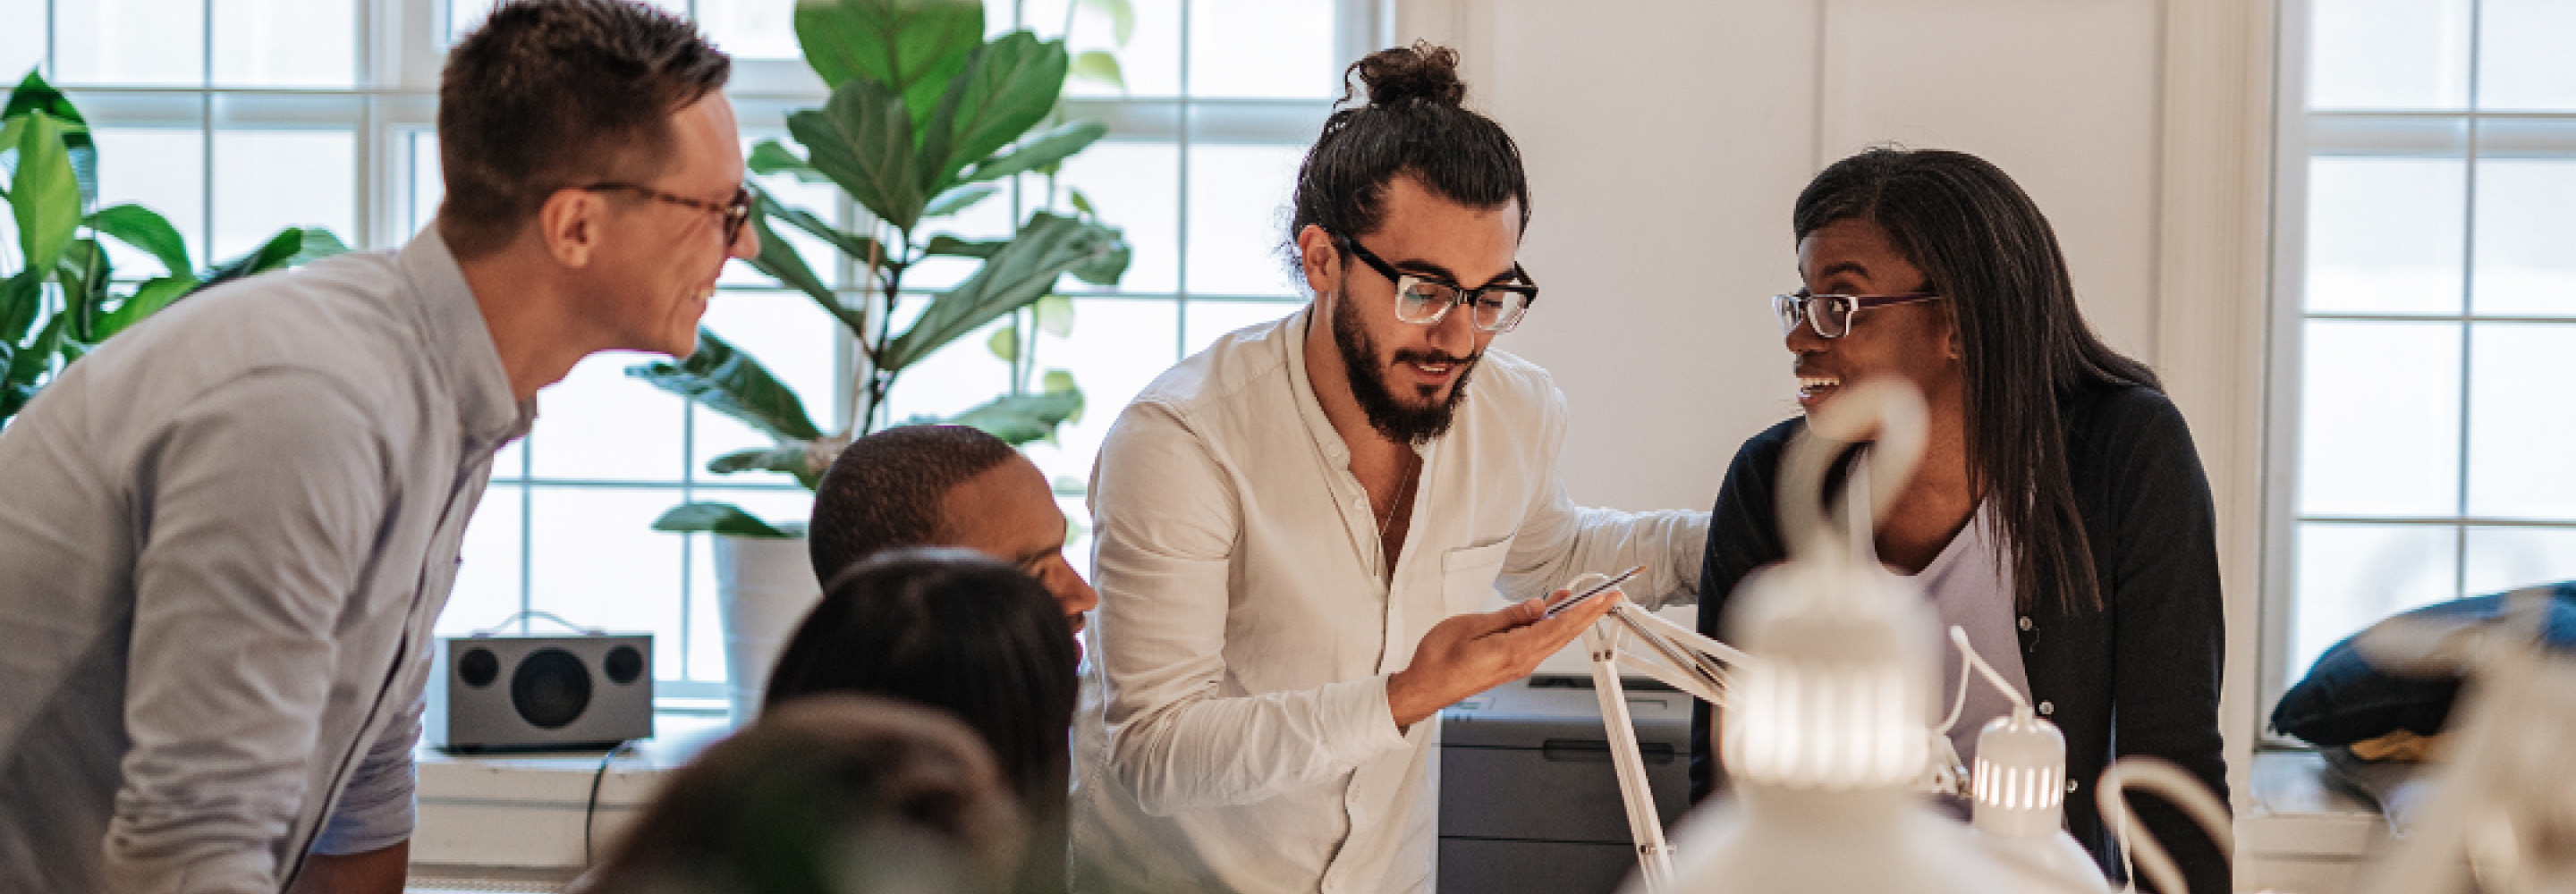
(2046, 708)
(2025, 622)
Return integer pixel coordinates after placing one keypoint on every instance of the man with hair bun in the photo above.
(1299, 528)
(226, 535)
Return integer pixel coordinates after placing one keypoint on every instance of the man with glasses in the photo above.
(226, 535)
(1302, 527)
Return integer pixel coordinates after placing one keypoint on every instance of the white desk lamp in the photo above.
(1827, 738)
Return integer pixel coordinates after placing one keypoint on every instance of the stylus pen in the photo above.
(1596, 590)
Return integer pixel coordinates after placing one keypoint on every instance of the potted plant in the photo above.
(61, 299)
(924, 117)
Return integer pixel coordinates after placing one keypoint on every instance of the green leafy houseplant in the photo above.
(925, 116)
(58, 296)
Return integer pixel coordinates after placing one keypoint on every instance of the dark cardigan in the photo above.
(2154, 654)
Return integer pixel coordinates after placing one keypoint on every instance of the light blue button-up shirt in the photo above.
(224, 539)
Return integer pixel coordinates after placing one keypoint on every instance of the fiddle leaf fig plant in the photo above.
(926, 118)
(59, 295)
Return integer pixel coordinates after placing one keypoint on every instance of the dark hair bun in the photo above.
(1424, 71)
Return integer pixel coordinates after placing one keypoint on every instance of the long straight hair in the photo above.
(2024, 344)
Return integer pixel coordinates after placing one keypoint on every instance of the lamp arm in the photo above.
(2163, 778)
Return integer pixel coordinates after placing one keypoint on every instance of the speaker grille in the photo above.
(550, 689)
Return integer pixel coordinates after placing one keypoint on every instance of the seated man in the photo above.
(1300, 527)
(943, 485)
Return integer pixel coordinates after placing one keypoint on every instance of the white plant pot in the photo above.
(764, 588)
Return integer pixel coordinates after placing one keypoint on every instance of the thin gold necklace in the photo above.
(1389, 515)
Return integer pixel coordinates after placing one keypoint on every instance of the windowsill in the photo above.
(2300, 833)
(525, 810)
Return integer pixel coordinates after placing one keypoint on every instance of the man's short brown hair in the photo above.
(889, 489)
(549, 94)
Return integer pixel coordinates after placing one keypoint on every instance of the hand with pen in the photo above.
(1468, 654)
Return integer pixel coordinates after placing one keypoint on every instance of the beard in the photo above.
(1400, 422)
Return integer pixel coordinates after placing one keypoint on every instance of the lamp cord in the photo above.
(1968, 658)
(590, 810)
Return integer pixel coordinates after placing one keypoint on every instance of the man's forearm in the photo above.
(379, 871)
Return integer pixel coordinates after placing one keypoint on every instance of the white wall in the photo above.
(1667, 139)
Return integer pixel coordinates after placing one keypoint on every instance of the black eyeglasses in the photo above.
(1423, 300)
(735, 212)
(1831, 315)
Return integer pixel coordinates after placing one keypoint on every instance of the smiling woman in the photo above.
(2060, 516)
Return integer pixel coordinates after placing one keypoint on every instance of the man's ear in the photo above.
(569, 222)
(1320, 259)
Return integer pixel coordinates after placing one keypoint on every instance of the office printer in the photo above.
(1528, 801)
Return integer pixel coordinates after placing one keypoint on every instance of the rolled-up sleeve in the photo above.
(1168, 520)
(263, 505)
(377, 809)
(1559, 540)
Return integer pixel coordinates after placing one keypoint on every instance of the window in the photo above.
(2427, 305)
(237, 117)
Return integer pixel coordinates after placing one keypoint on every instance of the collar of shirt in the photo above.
(459, 344)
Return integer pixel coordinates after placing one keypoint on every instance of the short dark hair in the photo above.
(955, 630)
(553, 93)
(1413, 124)
(887, 490)
(2023, 343)
(836, 793)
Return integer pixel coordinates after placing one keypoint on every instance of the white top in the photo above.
(1970, 588)
(1246, 627)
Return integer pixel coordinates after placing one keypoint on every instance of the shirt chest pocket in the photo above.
(1467, 575)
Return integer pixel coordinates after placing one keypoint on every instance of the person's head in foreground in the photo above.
(1408, 215)
(593, 166)
(837, 794)
(944, 485)
(955, 630)
(1934, 268)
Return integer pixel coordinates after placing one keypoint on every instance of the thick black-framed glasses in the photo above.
(1423, 300)
(735, 212)
(1831, 315)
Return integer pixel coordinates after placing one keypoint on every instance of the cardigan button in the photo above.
(2046, 708)
(2025, 622)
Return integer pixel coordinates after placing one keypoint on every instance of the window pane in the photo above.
(130, 42)
(706, 649)
(2379, 430)
(487, 573)
(1239, 218)
(598, 424)
(286, 43)
(1279, 49)
(1210, 319)
(266, 180)
(822, 200)
(1150, 62)
(467, 15)
(992, 218)
(594, 558)
(2526, 260)
(752, 29)
(1117, 347)
(953, 379)
(158, 168)
(22, 44)
(1135, 187)
(428, 185)
(2384, 234)
(2520, 421)
(791, 338)
(2389, 54)
(2350, 576)
(2502, 559)
(2523, 61)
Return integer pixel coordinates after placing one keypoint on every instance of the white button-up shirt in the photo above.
(1247, 627)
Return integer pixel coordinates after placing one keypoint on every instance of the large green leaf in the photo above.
(913, 47)
(154, 295)
(1021, 418)
(20, 298)
(1044, 149)
(146, 229)
(944, 244)
(781, 262)
(34, 95)
(84, 273)
(859, 248)
(38, 355)
(276, 252)
(1017, 274)
(1106, 269)
(794, 459)
(730, 382)
(957, 199)
(715, 518)
(44, 196)
(1008, 86)
(772, 158)
(1100, 66)
(862, 139)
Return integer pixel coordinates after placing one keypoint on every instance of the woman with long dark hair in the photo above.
(2060, 514)
(955, 630)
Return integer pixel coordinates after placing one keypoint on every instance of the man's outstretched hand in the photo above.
(1468, 654)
